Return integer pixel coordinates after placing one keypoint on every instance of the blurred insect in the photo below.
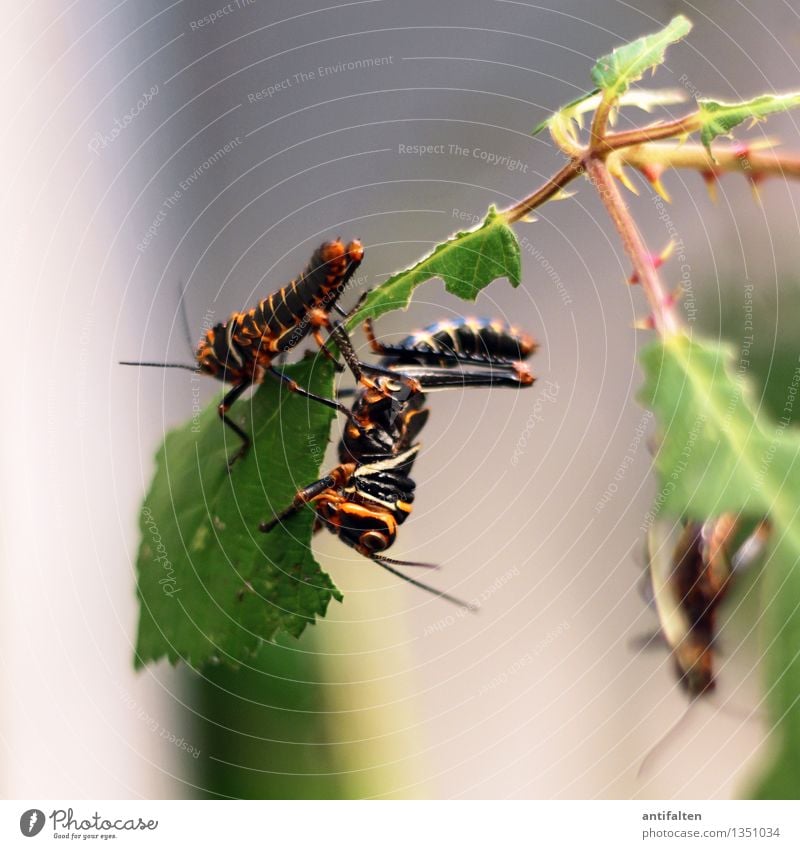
(241, 350)
(691, 568)
(370, 494)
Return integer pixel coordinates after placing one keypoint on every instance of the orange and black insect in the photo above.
(364, 504)
(370, 494)
(241, 350)
(471, 340)
(691, 568)
(451, 354)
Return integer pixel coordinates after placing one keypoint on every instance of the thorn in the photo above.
(755, 181)
(673, 297)
(652, 174)
(648, 323)
(711, 178)
(656, 260)
(616, 170)
(563, 195)
(528, 218)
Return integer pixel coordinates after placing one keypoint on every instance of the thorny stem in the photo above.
(550, 189)
(668, 130)
(638, 149)
(600, 121)
(664, 318)
(735, 158)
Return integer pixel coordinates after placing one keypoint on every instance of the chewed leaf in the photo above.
(627, 64)
(718, 119)
(718, 455)
(467, 262)
(211, 586)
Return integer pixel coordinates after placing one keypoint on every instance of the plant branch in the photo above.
(600, 121)
(664, 319)
(548, 191)
(733, 158)
(654, 132)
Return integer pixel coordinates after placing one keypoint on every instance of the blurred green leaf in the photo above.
(643, 98)
(467, 262)
(627, 64)
(718, 119)
(211, 586)
(718, 453)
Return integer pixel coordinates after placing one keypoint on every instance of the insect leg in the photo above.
(294, 386)
(223, 408)
(505, 374)
(336, 477)
(317, 336)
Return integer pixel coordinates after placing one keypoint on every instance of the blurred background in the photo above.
(216, 145)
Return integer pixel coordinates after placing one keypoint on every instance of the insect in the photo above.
(241, 350)
(370, 494)
(691, 568)
(473, 340)
(389, 415)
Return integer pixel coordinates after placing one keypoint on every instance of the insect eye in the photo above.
(373, 541)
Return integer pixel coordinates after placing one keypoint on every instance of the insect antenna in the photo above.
(158, 365)
(386, 564)
(410, 563)
(661, 744)
(187, 332)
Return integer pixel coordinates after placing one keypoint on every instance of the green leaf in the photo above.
(718, 454)
(718, 119)
(627, 64)
(467, 262)
(210, 585)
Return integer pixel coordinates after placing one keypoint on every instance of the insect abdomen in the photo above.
(285, 313)
(478, 337)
